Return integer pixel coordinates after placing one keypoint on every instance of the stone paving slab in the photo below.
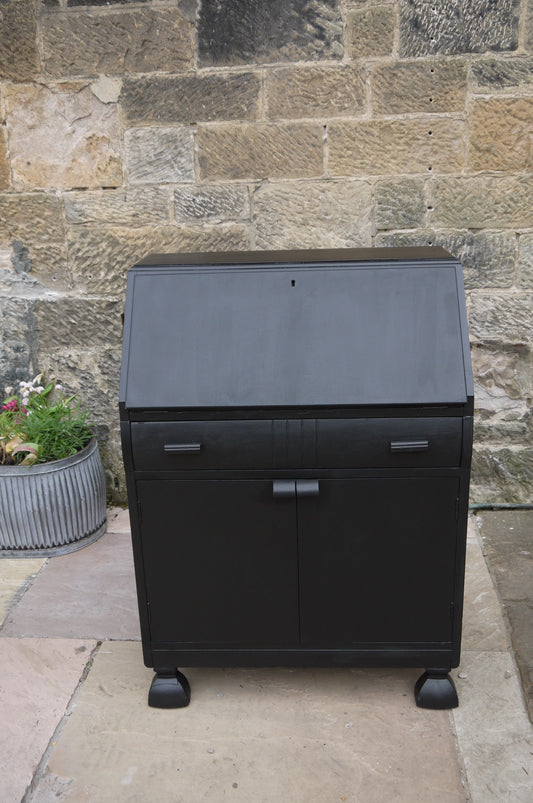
(14, 575)
(37, 680)
(298, 735)
(507, 538)
(483, 623)
(494, 734)
(85, 594)
(118, 520)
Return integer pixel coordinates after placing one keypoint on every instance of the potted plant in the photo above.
(52, 481)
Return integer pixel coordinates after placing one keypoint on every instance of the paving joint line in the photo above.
(20, 592)
(42, 766)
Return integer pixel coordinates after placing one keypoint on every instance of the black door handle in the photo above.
(284, 489)
(307, 488)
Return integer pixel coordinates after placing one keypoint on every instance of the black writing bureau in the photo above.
(297, 432)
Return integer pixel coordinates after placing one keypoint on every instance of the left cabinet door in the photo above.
(220, 563)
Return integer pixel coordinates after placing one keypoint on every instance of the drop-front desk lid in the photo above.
(292, 329)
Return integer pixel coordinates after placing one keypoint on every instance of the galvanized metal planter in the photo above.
(52, 508)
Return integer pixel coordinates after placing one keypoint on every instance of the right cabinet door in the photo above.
(377, 562)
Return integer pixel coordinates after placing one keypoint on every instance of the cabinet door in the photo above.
(377, 562)
(220, 561)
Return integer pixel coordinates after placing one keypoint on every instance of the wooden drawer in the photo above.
(199, 445)
(388, 442)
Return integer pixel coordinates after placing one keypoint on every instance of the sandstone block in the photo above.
(106, 88)
(101, 256)
(503, 474)
(488, 258)
(395, 146)
(35, 222)
(133, 206)
(254, 31)
(31, 215)
(315, 91)
(501, 318)
(93, 375)
(159, 155)
(480, 202)
(19, 59)
(529, 26)
(142, 40)
(260, 151)
(503, 381)
(400, 204)
(110, 450)
(79, 322)
(498, 431)
(17, 336)
(457, 26)
(500, 134)
(525, 261)
(494, 73)
(319, 214)
(15, 281)
(191, 98)
(74, 3)
(430, 86)
(230, 202)
(62, 137)
(4, 166)
(370, 32)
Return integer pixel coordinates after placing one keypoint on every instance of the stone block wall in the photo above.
(130, 127)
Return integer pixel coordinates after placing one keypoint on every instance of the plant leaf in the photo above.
(12, 445)
(33, 450)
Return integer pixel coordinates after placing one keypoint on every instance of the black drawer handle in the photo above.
(182, 448)
(409, 446)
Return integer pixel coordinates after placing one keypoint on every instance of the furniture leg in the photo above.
(436, 689)
(170, 689)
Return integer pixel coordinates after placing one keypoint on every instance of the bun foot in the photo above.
(169, 689)
(435, 689)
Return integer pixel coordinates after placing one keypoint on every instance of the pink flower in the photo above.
(11, 406)
(14, 407)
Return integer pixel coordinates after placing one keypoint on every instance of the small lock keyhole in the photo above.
(293, 282)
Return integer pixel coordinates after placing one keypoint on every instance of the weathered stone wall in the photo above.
(235, 124)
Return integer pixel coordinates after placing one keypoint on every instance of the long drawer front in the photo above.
(278, 444)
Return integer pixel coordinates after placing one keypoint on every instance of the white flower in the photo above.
(9, 391)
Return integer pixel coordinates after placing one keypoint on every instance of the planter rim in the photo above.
(52, 465)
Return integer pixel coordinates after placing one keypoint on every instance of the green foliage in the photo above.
(40, 424)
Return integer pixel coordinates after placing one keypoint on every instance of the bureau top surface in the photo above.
(336, 328)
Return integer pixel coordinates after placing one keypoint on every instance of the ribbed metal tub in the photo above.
(53, 507)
